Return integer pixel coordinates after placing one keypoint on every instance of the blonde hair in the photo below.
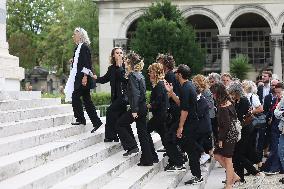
(84, 38)
(200, 83)
(158, 71)
(249, 86)
(134, 62)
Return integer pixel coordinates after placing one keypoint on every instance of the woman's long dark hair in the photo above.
(219, 90)
(112, 59)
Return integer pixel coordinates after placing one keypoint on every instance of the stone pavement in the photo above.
(218, 175)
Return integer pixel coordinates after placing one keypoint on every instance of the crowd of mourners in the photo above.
(198, 117)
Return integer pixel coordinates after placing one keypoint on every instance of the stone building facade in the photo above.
(224, 28)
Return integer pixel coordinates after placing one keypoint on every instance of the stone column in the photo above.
(10, 72)
(277, 64)
(225, 57)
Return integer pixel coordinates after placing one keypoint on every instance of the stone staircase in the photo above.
(39, 148)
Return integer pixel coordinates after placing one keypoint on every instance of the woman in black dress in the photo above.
(224, 151)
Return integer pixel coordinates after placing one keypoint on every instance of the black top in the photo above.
(136, 90)
(159, 100)
(204, 122)
(115, 75)
(242, 108)
(84, 60)
(188, 100)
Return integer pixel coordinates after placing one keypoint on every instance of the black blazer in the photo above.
(159, 100)
(204, 121)
(260, 93)
(84, 60)
(136, 90)
(118, 83)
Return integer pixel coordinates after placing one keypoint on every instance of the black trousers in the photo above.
(127, 138)
(158, 124)
(171, 144)
(191, 146)
(114, 111)
(244, 153)
(90, 108)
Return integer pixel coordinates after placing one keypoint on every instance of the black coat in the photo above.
(159, 100)
(204, 121)
(136, 90)
(84, 60)
(115, 75)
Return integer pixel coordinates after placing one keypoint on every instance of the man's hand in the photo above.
(135, 115)
(84, 81)
(95, 76)
(179, 132)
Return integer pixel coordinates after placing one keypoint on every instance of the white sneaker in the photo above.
(204, 158)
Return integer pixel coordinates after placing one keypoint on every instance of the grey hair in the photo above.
(215, 76)
(249, 86)
(236, 87)
(84, 38)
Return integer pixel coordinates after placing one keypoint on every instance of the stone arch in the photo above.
(128, 20)
(243, 9)
(196, 10)
(280, 22)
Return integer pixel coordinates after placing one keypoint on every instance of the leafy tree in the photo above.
(240, 66)
(162, 29)
(29, 18)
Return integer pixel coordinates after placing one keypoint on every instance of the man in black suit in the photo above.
(79, 82)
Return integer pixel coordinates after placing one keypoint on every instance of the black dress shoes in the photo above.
(96, 127)
(78, 123)
(111, 140)
(145, 164)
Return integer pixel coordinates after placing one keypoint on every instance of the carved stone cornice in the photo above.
(276, 39)
(224, 41)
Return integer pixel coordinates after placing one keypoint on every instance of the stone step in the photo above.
(55, 171)
(205, 171)
(101, 173)
(22, 126)
(17, 95)
(24, 160)
(23, 141)
(165, 180)
(28, 103)
(136, 176)
(22, 114)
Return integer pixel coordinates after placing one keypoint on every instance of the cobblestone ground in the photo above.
(269, 182)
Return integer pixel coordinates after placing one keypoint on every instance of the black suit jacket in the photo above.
(84, 60)
(118, 83)
(260, 93)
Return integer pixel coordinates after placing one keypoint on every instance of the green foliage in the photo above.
(101, 98)
(26, 20)
(40, 31)
(162, 29)
(240, 66)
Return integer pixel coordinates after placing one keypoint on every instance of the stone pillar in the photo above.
(277, 64)
(10, 72)
(225, 57)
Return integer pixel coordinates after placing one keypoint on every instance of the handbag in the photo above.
(258, 120)
(248, 118)
(235, 132)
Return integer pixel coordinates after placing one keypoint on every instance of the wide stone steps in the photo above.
(103, 172)
(28, 103)
(23, 126)
(24, 160)
(23, 141)
(22, 114)
(17, 95)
